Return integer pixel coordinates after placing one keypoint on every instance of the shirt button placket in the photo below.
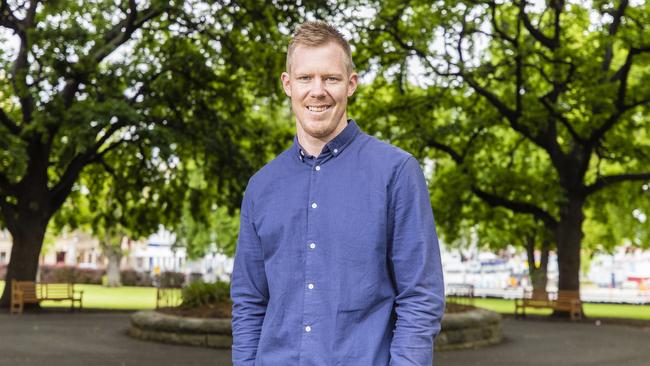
(311, 262)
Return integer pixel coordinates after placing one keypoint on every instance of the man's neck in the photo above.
(314, 145)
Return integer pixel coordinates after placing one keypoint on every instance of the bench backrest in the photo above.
(56, 290)
(28, 289)
(565, 295)
(568, 295)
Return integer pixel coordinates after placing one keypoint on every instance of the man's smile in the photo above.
(318, 108)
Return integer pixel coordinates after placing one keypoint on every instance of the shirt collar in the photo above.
(343, 139)
(335, 146)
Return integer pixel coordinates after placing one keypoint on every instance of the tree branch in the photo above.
(495, 24)
(622, 76)
(21, 65)
(100, 159)
(558, 6)
(458, 158)
(508, 113)
(468, 146)
(60, 191)
(536, 33)
(565, 122)
(624, 70)
(607, 180)
(122, 31)
(113, 146)
(9, 123)
(114, 37)
(6, 186)
(8, 212)
(520, 207)
(409, 46)
(62, 188)
(7, 17)
(613, 29)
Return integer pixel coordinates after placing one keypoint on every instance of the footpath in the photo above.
(98, 339)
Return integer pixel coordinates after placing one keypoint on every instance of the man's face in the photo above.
(319, 86)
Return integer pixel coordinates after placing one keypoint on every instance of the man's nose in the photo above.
(317, 88)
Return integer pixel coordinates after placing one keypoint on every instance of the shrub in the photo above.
(55, 274)
(132, 277)
(199, 294)
(172, 279)
(89, 276)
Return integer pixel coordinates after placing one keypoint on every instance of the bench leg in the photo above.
(17, 304)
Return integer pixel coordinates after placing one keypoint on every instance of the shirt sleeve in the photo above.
(249, 290)
(417, 273)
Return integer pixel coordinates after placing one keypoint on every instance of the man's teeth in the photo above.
(317, 109)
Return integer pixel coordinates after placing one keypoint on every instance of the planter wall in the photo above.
(476, 328)
(471, 329)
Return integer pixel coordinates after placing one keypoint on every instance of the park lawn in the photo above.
(122, 298)
(144, 298)
(119, 298)
(592, 310)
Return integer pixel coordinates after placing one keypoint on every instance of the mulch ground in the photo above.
(224, 310)
(218, 310)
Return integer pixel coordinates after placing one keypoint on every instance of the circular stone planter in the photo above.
(155, 326)
(471, 329)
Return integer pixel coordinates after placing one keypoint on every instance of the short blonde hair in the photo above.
(315, 33)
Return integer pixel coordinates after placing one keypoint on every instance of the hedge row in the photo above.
(130, 277)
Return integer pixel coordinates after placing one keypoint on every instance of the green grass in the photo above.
(126, 297)
(144, 298)
(120, 298)
(640, 312)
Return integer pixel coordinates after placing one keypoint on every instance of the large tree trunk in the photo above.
(569, 236)
(538, 274)
(27, 233)
(114, 256)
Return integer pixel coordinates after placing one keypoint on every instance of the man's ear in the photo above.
(352, 83)
(286, 84)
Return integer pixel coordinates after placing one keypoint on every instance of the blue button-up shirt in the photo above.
(337, 261)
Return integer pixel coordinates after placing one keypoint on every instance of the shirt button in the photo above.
(317, 167)
(314, 205)
(312, 246)
(308, 329)
(336, 151)
(310, 286)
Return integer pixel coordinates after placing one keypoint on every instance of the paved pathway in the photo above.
(97, 339)
(89, 339)
(535, 342)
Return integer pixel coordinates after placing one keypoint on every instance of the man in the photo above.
(337, 261)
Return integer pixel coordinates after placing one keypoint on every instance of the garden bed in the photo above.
(463, 326)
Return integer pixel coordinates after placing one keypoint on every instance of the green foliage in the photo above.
(200, 293)
(511, 126)
(120, 106)
(619, 221)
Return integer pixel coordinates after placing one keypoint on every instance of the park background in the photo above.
(124, 119)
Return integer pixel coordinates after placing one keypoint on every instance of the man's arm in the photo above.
(249, 290)
(415, 261)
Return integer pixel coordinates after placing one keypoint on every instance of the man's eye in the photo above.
(304, 78)
(332, 78)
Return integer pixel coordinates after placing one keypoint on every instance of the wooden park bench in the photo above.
(30, 292)
(563, 300)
